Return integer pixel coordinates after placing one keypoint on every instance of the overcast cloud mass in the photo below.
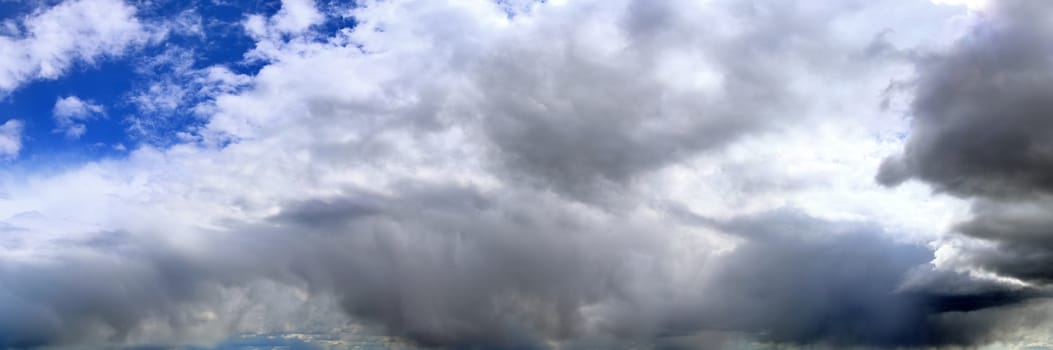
(520, 174)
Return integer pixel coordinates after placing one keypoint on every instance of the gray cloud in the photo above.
(84, 297)
(583, 122)
(1016, 238)
(453, 266)
(807, 281)
(982, 129)
(980, 110)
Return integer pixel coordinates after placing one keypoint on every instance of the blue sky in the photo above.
(112, 81)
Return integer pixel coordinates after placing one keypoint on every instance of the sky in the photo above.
(526, 174)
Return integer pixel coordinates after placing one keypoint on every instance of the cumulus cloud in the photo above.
(52, 40)
(635, 87)
(70, 112)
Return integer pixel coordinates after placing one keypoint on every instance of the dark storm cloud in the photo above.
(801, 280)
(983, 117)
(806, 281)
(438, 266)
(453, 266)
(92, 296)
(983, 112)
(794, 279)
(983, 121)
(1016, 238)
(126, 289)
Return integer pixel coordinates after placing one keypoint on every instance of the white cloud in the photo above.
(70, 112)
(57, 37)
(971, 4)
(293, 19)
(10, 138)
(177, 91)
(296, 16)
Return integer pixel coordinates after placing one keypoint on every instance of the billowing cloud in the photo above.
(515, 175)
(980, 130)
(980, 109)
(632, 88)
(456, 266)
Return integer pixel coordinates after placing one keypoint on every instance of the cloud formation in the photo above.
(69, 113)
(451, 266)
(523, 175)
(47, 43)
(11, 138)
(980, 130)
(979, 110)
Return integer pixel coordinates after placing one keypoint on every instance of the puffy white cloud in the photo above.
(58, 37)
(296, 16)
(70, 112)
(11, 138)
